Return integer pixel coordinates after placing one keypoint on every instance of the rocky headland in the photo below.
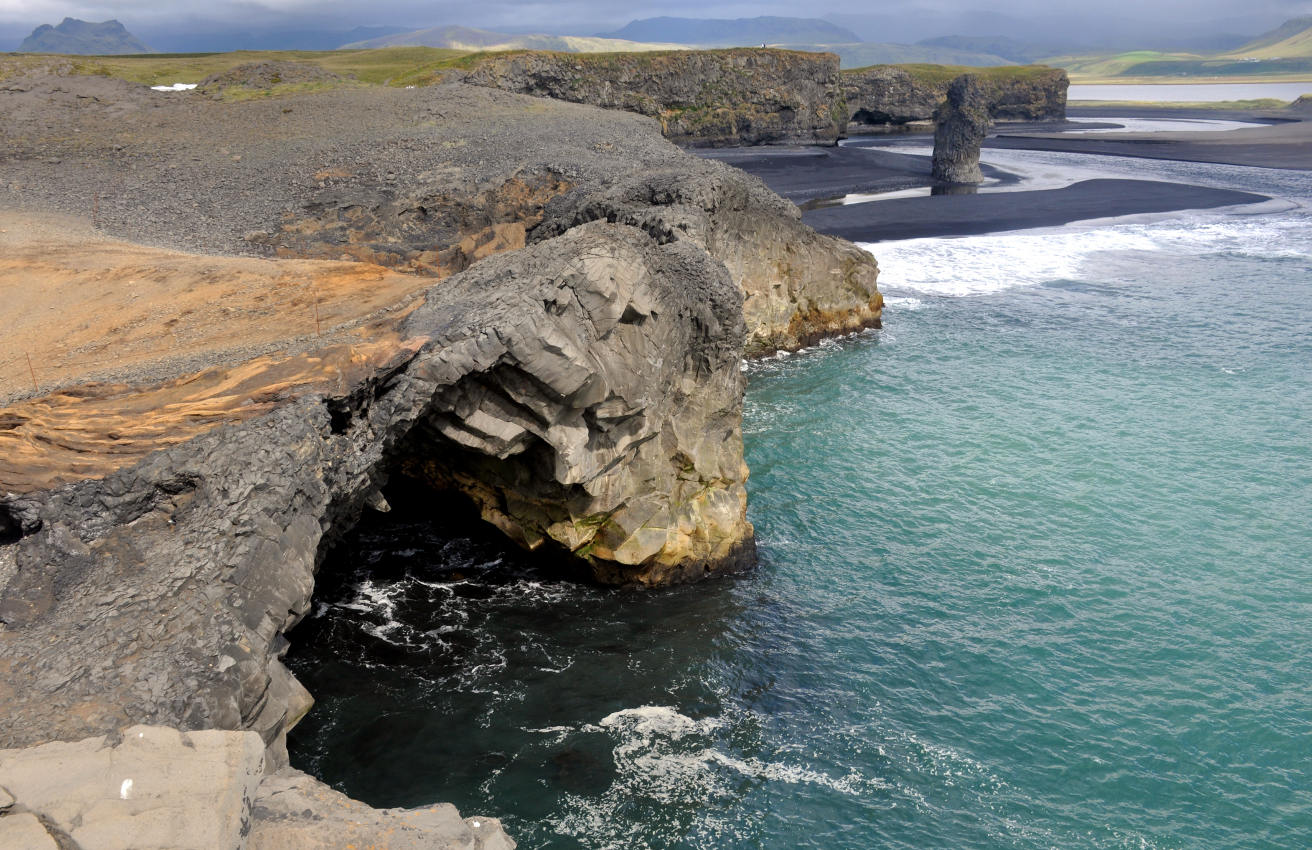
(750, 96)
(257, 320)
(704, 97)
(890, 96)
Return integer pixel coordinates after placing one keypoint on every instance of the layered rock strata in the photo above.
(961, 123)
(701, 97)
(884, 95)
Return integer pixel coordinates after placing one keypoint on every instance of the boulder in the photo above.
(24, 831)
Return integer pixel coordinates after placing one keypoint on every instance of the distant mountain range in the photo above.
(468, 38)
(83, 38)
(737, 32)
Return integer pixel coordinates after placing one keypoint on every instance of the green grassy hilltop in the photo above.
(1283, 54)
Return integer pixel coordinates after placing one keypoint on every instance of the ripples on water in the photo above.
(1037, 572)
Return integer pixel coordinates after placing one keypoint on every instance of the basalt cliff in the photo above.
(239, 326)
(703, 97)
(759, 95)
(885, 96)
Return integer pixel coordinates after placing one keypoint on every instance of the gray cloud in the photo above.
(886, 21)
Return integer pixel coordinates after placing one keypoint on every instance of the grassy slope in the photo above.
(1282, 55)
(1291, 39)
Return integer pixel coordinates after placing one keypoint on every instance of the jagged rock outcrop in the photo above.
(584, 392)
(798, 286)
(152, 786)
(701, 97)
(961, 123)
(895, 94)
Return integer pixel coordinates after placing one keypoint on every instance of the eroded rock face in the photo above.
(892, 95)
(584, 392)
(797, 285)
(701, 97)
(961, 123)
(294, 811)
(156, 787)
(592, 403)
(580, 383)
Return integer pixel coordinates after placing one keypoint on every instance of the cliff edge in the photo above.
(277, 311)
(891, 95)
(714, 98)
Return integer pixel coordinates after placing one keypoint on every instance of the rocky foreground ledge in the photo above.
(535, 308)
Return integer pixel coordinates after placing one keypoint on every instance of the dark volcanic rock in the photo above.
(701, 97)
(961, 123)
(891, 94)
(579, 382)
(81, 37)
(585, 392)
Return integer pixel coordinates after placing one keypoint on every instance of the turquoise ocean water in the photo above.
(1036, 573)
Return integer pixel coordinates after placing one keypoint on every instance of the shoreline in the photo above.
(806, 176)
(972, 215)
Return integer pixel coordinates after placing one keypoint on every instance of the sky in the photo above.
(893, 20)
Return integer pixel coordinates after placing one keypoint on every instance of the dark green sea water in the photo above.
(1036, 573)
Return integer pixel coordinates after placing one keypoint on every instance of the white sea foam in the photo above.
(679, 766)
(977, 265)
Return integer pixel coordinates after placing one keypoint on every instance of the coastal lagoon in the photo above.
(1036, 571)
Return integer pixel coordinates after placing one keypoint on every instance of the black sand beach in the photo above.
(962, 215)
(808, 175)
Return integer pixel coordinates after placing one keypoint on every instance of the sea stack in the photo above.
(961, 122)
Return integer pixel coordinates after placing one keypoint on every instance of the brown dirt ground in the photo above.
(205, 340)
